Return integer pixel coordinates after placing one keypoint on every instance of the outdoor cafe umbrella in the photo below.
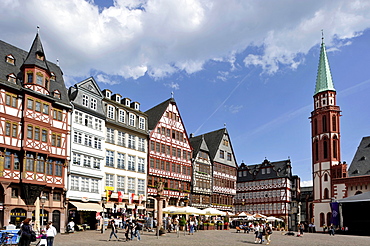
(170, 210)
(188, 210)
(272, 218)
(213, 211)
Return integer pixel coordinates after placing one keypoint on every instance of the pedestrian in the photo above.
(256, 229)
(301, 228)
(133, 229)
(127, 231)
(71, 227)
(261, 232)
(191, 227)
(25, 233)
(114, 230)
(268, 232)
(331, 230)
(138, 228)
(51, 232)
(43, 239)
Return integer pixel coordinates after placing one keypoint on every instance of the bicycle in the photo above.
(6, 238)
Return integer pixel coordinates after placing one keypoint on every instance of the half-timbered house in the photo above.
(34, 136)
(169, 155)
(269, 188)
(224, 169)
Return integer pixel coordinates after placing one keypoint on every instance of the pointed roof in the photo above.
(360, 164)
(324, 80)
(36, 48)
(213, 140)
(155, 113)
(198, 143)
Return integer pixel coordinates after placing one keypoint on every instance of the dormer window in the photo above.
(30, 77)
(53, 77)
(40, 56)
(56, 94)
(12, 78)
(39, 78)
(10, 59)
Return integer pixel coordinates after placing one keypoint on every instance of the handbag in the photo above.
(33, 236)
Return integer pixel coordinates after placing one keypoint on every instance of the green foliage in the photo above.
(182, 221)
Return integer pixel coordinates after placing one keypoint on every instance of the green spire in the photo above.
(324, 81)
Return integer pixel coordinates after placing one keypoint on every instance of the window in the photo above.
(141, 165)
(85, 100)
(75, 183)
(141, 186)
(77, 137)
(7, 128)
(110, 135)
(87, 161)
(76, 159)
(85, 184)
(58, 115)
(222, 154)
(141, 123)
(110, 112)
(11, 100)
(229, 156)
(49, 167)
(39, 79)
(29, 77)
(131, 185)
(98, 124)
(58, 168)
(121, 117)
(44, 136)
(225, 142)
(53, 139)
(109, 159)
(96, 163)
(30, 132)
(78, 117)
(142, 144)
(38, 106)
(324, 123)
(109, 180)
(88, 120)
(94, 186)
(131, 141)
(334, 122)
(10, 59)
(326, 177)
(132, 120)
(120, 183)
(121, 138)
(120, 160)
(45, 108)
(326, 193)
(57, 197)
(131, 163)
(325, 146)
(93, 103)
(30, 103)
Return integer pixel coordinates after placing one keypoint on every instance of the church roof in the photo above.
(324, 81)
(36, 48)
(361, 161)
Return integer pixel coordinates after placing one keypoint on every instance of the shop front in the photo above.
(84, 214)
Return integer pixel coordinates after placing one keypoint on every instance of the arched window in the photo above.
(322, 219)
(324, 123)
(326, 177)
(335, 147)
(315, 127)
(325, 147)
(326, 193)
(328, 218)
(316, 150)
(334, 122)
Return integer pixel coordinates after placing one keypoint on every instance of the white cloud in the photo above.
(235, 108)
(306, 183)
(173, 85)
(132, 38)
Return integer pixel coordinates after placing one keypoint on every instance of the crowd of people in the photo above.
(27, 234)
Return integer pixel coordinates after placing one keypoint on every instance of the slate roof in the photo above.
(213, 140)
(324, 81)
(277, 169)
(198, 143)
(361, 161)
(23, 57)
(155, 113)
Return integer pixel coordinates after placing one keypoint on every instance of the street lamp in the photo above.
(104, 201)
(43, 200)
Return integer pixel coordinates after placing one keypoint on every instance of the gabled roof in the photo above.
(361, 161)
(198, 143)
(213, 140)
(278, 169)
(36, 48)
(155, 113)
(324, 80)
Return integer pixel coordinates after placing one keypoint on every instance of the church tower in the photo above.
(325, 141)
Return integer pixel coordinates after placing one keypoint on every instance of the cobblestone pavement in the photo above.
(215, 237)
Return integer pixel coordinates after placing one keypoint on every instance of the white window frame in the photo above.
(141, 165)
(142, 123)
(141, 146)
(110, 112)
(121, 183)
(121, 160)
(131, 185)
(121, 116)
(109, 180)
(121, 138)
(141, 186)
(109, 158)
(93, 103)
(85, 100)
(132, 119)
(131, 163)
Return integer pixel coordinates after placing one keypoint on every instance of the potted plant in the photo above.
(182, 223)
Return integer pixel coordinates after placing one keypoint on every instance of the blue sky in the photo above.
(251, 65)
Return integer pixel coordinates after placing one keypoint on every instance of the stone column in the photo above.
(159, 212)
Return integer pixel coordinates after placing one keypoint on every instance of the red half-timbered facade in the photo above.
(34, 136)
(169, 155)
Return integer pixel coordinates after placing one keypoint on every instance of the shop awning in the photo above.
(140, 207)
(109, 205)
(131, 206)
(121, 205)
(87, 206)
(364, 197)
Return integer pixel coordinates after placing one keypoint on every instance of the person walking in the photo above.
(256, 229)
(268, 232)
(138, 227)
(51, 232)
(114, 230)
(26, 230)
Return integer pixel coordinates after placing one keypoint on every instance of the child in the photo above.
(43, 237)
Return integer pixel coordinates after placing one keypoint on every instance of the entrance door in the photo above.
(56, 220)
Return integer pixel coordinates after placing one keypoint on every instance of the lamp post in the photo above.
(43, 200)
(102, 223)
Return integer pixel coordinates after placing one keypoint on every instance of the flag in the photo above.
(334, 213)
(120, 196)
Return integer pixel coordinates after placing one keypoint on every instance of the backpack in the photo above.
(139, 226)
